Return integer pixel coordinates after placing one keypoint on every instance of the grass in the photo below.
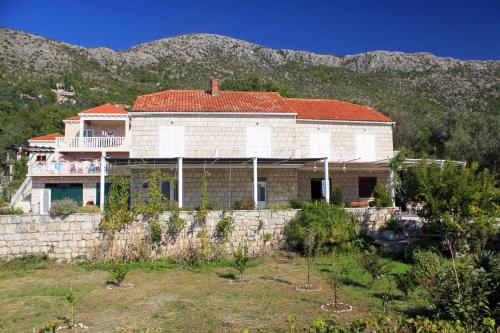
(173, 298)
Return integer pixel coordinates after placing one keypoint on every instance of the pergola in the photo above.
(213, 162)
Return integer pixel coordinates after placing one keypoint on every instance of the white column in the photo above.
(180, 183)
(327, 181)
(82, 122)
(391, 186)
(255, 197)
(102, 181)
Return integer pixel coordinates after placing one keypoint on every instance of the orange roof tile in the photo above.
(330, 109)
(73, 118)
(107, 108)
(200, 101)
(48, 137)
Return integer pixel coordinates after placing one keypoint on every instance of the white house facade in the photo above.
(255, 145)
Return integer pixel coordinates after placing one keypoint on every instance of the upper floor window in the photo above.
(88, 133)
(319, 144)
(258, 141)
(365, 147)
(171, 141)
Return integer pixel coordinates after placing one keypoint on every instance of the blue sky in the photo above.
(460, 29)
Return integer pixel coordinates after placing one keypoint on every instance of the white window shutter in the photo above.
(259, 142)
(319, 145)
(171, 141)
(365, 147)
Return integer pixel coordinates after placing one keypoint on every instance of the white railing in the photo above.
(92, 143)
(22, 191)
(90, 167)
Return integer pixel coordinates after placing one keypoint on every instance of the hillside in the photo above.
(443, 106)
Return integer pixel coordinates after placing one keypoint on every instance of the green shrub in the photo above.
(244, 204)
(372, 263)
(89, 209)
(296, 203)
(118, 271)
(337, 196)
(392, 224)
(27, 262)
(267, 237)
(405, 283)
(63, 207)
(224, 227)
(381, 196)
(331, 224)
(11, 211)
(241, 259)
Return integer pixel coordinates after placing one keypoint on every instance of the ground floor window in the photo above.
(168, 189)
(98, 193)
(366, 185)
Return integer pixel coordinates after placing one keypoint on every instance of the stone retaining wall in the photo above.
(78, 234)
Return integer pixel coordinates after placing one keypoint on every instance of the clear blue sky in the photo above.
(461, 29)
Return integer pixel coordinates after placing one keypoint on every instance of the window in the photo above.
(171, 141)
(366, 185)
(365, 147)
(258, 141)
(319, 144)
(88, 133)
(41, 158)
(168, 190)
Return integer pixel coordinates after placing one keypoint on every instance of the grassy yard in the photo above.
(169, 298)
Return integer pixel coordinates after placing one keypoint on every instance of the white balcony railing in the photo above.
(92, 143)
(65, 168)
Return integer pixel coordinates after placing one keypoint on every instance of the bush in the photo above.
(224, 227)
(337, 196)
(244, 204)
(89, 209)
(392, 224)
(63, 208)
(381, 196)
(331, 224)
(296, 203)
(11, 211)
(372, 263)
(118, 270)
(241, 259)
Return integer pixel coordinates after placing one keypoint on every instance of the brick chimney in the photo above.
(214, 87)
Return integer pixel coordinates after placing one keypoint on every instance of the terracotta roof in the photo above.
(243, 101)
(73, 118)
(105, 109)
(200, 101)
(330, 109)
(48, 137)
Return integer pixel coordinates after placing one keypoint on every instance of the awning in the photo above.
(34, 149)
(211, 161)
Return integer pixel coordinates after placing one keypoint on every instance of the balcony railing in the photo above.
(92, 143)
(65, 168)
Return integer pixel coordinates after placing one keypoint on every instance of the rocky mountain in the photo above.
(443, 106)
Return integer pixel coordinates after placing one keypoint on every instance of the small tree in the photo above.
(312, 247)
(118, 271)
(338, 196)
(381, 196)
(372, 263)
(203, 210)
(117, 213)
(334, 280)
(70, 297)
(241, 259)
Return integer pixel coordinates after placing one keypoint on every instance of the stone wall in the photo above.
(78, 234)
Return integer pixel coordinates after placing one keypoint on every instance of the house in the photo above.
(255, 145)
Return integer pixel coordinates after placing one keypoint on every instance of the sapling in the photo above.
(70, 297)
(311, 247)
(334, 280)
(118, 271)
(241, 259)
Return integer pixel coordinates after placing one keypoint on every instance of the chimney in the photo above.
(214, 87)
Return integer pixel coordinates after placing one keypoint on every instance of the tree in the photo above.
(458, 203)
(254, 83)
(338, 196)
(241, 259)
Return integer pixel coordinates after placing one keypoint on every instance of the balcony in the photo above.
(65, 168)
(82, 144)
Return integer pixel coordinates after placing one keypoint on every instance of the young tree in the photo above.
(460, 203)
(241, 259)
(312, 246)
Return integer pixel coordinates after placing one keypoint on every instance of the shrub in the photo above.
(118, 271)
(241, 259)
(224, 227)
(392, 224)
(63, 208)
(337, 196)
(267, 237)
(177, 223)
(331, 224)
(405, 283)
(88, 209)
(372, 263)
(11, 211)
(296, 203)
(381, 196)
(244, 204)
